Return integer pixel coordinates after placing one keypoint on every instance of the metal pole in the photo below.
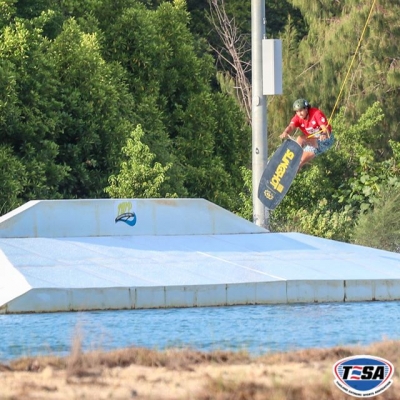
(258, 109)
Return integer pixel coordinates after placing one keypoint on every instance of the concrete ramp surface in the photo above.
(70, 255)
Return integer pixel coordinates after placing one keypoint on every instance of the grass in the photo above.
(173, 359)
(277, 376)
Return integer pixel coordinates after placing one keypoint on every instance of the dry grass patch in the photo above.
(80, 363)
(187, 374)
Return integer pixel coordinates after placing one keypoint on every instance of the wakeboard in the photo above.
(279, 173)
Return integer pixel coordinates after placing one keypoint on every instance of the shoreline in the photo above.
(187, 374)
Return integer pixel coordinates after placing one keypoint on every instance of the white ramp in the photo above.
(65, 255)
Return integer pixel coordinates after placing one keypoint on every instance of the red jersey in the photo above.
(312, 125)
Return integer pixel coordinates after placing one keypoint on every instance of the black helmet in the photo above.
(299, 104)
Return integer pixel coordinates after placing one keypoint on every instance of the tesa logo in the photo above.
(363, 376)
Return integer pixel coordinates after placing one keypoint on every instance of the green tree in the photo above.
(380, 226)
(79, 76)
(188, 118)
(94, 114)
(65, 112)
(13, 178)
(29, 117)
(140, 176)
(7, 12)
(329, 76)
(143, 42)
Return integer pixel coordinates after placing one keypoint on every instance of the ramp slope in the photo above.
(66, 255)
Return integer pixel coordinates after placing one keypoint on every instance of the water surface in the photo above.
(257, 329)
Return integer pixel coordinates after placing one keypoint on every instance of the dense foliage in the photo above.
(79, 77)
(122, 98)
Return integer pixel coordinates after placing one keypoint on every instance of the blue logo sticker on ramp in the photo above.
(129, 218)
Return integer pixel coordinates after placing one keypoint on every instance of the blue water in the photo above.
(257, 329)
